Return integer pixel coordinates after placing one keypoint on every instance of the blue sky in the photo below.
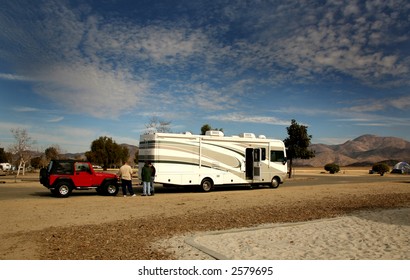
(72, 71)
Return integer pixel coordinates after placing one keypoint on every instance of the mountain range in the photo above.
(365, 150)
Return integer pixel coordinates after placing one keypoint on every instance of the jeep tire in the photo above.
(63, 189)
(110, 188)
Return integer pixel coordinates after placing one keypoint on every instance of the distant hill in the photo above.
(131, 148)
(362, 151)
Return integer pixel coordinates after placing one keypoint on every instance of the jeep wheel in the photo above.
(63, 189)
(111, 188)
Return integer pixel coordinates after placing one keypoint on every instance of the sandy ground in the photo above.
(35, 225)
(378, 234)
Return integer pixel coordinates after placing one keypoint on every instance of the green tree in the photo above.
(52, 152)
(124, 155)
(332, 168)
(207, 127)
(381, 168)
(36, 162)
(3, 156)
(106, 152)
(297, 144)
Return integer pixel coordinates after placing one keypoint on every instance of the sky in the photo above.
(73, 71)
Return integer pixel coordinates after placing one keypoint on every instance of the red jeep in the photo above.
(64, 176)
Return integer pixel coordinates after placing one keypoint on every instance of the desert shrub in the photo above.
(332, 168)
(380, 168)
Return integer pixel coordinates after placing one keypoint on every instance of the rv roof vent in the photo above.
(247, 135)
(187, 133)
(214, 133)
(262, 137)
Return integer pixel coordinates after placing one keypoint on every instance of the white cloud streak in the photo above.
(25, 109)
(236, 117)
(105, 66)
(55, 120)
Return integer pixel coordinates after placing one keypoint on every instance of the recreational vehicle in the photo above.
(213, 159)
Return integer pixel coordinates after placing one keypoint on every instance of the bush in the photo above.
(332, 168)
(381, 168)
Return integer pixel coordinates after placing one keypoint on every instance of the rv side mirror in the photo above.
(284, 161)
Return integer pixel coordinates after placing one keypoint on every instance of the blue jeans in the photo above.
(146, 188)
(126, 184)
(152, 185)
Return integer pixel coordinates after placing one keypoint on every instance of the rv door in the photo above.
(257, 164)
(253, 164)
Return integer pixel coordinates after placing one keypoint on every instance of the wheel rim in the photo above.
(274, 183)
(206, 185)
(64, 190)
(111, 189)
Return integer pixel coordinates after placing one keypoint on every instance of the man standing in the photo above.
(152, 177)
(125, 173)
(146, 179)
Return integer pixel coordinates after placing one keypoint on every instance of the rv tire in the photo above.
(207, 185)
(274, 183)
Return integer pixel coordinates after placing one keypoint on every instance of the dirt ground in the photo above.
(35, 225)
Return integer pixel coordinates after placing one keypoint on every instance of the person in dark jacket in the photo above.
(152, 178)
(146, 179)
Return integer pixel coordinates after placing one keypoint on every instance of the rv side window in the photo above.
(256, 155)
(263, 154)
(277, 156)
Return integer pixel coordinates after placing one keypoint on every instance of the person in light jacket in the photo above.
(125, 173)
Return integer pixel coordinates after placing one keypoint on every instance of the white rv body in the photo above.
(214, 159)
(5, 166)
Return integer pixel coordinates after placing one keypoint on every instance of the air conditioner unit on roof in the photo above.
(247, 135)
(214, 133)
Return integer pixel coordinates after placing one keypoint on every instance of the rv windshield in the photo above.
(277, 156)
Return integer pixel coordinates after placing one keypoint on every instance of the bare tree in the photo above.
(21, 148)
(156, 124)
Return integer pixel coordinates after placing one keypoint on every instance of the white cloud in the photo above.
(372, 106)
(12, 77)
(56, 119)
(25, 109)
(88, 89)
(70, 138)
(236, 117)
(323, 42)
(351, 9)
(402, 103)
(107, 66)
